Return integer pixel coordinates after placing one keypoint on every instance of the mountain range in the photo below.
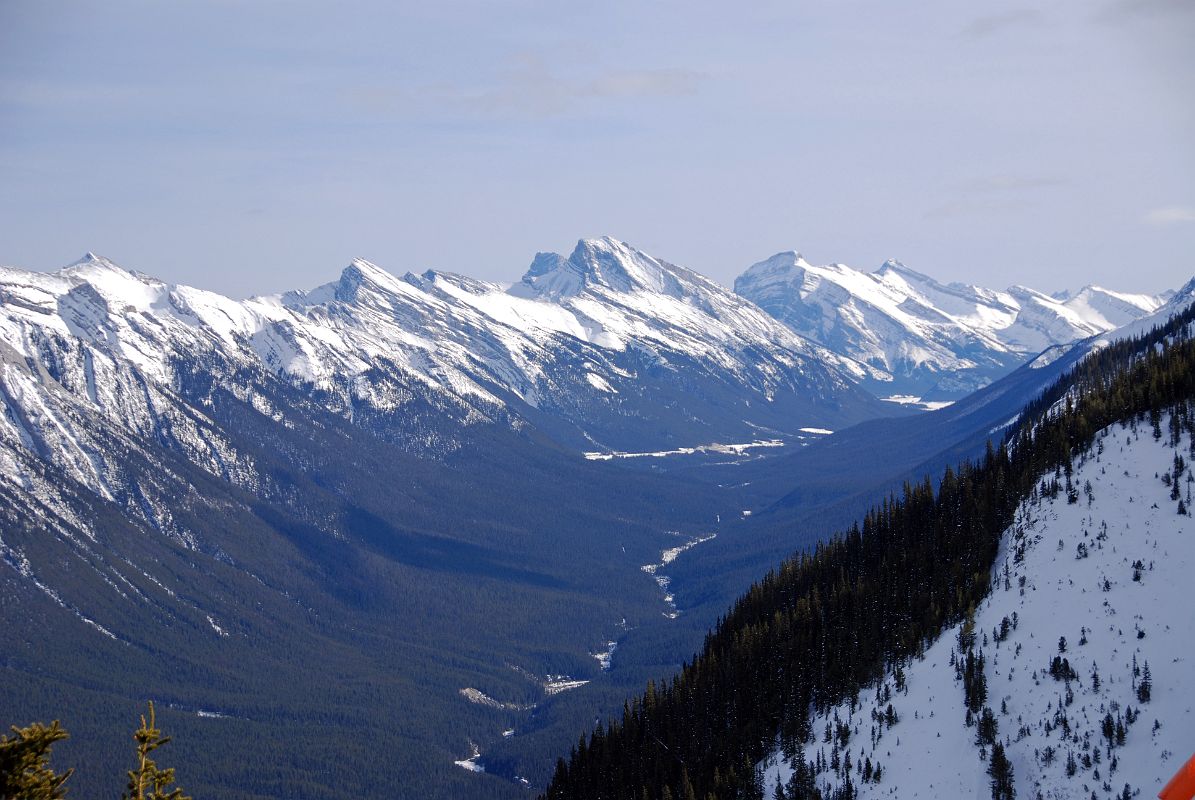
(919, 338)
(427, 485)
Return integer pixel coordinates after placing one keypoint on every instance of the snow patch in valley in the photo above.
(917, 402)
(723, 449)
(555, 684)
(480, 698)
(605, 658)
(663, 581)
(473, 762)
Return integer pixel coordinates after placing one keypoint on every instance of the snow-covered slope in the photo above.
(1110, 575)
(922, 337)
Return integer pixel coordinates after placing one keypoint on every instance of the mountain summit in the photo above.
(600, 263)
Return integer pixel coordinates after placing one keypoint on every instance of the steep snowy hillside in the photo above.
(923, 338)
(1077, 665)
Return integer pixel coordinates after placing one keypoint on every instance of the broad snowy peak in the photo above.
(890, 320)
(925, 338)
(1108, 308)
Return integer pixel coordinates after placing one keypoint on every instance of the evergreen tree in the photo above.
(148, 781)
(25, 772)
(1146, 686)
(986, 729)
(1000, 771)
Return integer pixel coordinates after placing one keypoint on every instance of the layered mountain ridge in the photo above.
(923, 338)
(607, 349)
(103, 369)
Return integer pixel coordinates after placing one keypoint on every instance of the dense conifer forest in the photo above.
(829, 622)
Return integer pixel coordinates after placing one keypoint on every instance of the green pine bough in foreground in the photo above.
(25, 772)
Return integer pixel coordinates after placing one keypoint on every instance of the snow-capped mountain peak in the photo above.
(604, 263)
(91, 259)
(894, 266)
(1110, 309)
(927, 338)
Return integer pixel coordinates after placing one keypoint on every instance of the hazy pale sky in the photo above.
(255, 147)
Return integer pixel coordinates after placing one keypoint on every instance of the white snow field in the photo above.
(1112, 573)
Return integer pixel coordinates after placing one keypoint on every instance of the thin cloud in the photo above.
(1008, 183)
(1172, 215)
(992, 24)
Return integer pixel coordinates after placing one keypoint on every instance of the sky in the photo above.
(257, 147)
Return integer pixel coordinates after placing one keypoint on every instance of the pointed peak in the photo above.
(900, 268)
(1183, 293)
(361, 270)
(596, 262)
(91, 260)
(361, 274)
(92, 268)
(365, 267)
(895, 266)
